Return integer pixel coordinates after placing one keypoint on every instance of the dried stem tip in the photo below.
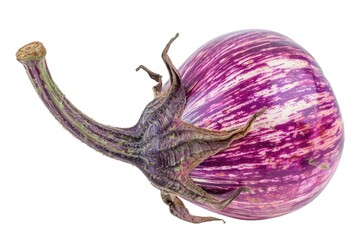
(31, 51)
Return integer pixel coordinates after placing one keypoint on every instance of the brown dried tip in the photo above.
(31, 51)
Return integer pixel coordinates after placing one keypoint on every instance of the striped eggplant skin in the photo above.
(292, 150)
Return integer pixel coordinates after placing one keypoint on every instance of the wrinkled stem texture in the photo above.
(114, 142)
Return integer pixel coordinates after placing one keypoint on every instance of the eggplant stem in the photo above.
(115, 142)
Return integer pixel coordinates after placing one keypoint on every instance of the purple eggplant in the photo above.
(248, 127)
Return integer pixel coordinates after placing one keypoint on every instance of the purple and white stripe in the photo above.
(292, 150)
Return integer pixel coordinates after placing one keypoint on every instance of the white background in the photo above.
(54, 187)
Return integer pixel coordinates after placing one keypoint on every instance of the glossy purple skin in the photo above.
(293, 150)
